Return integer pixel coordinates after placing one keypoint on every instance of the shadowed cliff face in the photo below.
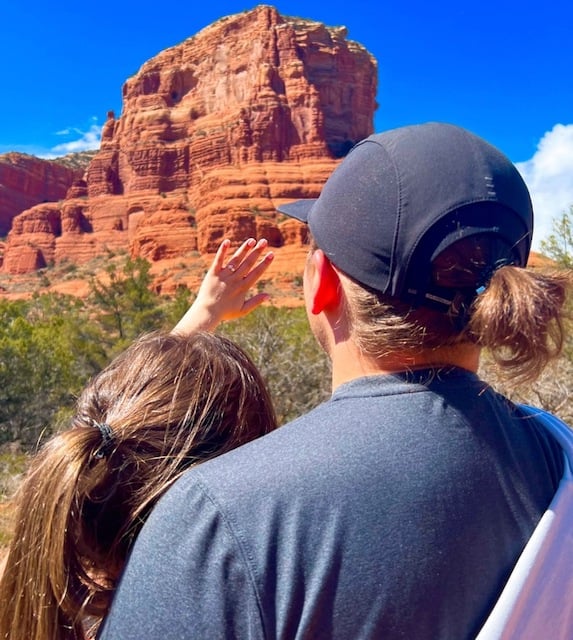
(253, 111)
(26, 181)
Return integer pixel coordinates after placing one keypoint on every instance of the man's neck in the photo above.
(348, 363)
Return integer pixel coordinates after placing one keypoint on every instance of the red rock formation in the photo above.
(254, 110)
(26, 181)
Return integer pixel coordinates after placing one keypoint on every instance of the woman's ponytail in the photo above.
(45, 580)
(165, 404)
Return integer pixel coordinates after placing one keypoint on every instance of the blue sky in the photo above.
(502, 69)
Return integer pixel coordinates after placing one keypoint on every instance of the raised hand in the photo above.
(223, 294)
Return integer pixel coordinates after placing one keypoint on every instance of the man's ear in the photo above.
(325, 284)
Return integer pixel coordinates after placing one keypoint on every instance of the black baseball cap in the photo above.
(401, 197)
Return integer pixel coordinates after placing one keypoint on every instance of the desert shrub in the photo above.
(282, 346)
(47, 351)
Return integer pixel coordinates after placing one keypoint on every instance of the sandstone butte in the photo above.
(254, 110)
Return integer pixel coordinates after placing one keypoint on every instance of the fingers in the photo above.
(219, 260)
(250, 260)
(243, 260)
(245, 255)
(257, 271)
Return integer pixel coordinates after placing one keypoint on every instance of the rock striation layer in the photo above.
(252, 111)
(26, 181)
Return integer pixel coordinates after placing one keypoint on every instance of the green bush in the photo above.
(52, 344)
(283, 348)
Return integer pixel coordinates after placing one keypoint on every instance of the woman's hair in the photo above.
(517, 314)
(165, 404)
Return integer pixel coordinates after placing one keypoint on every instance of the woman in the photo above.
(168, 402)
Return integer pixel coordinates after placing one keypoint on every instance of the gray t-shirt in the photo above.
(396, 509)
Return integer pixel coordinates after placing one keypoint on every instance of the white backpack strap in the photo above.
(536, 602)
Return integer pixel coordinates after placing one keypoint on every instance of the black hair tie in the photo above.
(107, 439)
(487, 273)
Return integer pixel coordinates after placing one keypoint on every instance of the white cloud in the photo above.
(87, 141)
(549, 176)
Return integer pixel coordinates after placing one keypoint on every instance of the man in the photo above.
(397, 508)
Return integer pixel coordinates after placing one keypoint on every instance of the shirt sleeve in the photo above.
(187, 576)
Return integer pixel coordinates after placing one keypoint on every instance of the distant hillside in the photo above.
(78, 160)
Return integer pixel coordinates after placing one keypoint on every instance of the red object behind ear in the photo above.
(325, 283)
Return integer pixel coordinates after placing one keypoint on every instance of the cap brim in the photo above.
(298, 209)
